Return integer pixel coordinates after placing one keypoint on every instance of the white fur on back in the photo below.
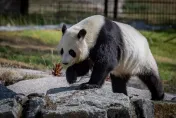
(137, 54)
(92, 25)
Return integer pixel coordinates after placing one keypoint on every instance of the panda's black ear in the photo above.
(81, 33)
(64, 28)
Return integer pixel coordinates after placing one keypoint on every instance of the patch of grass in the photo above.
(47, 17)
(45, 37)
(160, 36)
(36, 48)
(166, 70)
(164, 109)
(169, 85)
(158, 45)
(31, 19)
(16, 64)
(8, 77)
(32, 58)
(27, 76)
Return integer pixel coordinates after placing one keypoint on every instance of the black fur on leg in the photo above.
(77, 70)
(119, 83)
(71, 75)
(154, 84)
(99, 74)
(105, 54)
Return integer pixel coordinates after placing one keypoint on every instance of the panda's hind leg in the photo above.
(119, 83)
(154, 84)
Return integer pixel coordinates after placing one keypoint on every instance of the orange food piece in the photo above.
(57, 70)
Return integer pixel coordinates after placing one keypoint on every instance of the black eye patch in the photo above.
(62, 51)
(72, 53)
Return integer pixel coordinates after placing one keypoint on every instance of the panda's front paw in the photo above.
(88, 86)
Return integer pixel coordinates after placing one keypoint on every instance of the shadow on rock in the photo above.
(6, 93)
(61, 89)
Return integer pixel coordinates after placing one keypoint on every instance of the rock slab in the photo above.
(95, 103)
(6, 93)
(9, 108)
(144, 108)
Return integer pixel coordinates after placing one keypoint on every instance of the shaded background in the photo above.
(152, 12)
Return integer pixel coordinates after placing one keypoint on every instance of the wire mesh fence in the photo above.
(152, 11)
(156, 12)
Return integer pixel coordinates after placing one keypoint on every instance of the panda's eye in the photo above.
(62, 51)
(72, 53)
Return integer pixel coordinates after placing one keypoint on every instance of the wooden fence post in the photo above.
(24, 6)
(105, 8)
(115, 9)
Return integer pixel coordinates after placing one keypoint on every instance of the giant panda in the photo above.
(108, 48)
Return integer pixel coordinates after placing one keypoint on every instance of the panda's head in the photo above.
(72, 47)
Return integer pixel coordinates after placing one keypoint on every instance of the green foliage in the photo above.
(32, 19)
(34, 58)
(45, 18)
(135, 7)
(23, 47)
(158, 44)
(46, 37)
(37, 37)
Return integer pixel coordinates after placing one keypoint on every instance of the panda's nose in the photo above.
(65, 63)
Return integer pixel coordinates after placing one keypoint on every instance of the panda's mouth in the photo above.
(68, 65)
(71, 63)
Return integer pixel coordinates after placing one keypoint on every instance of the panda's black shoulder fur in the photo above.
(109, 42)
(105, 54)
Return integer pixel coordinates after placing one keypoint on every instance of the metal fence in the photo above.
(151, 11)
(157, 12)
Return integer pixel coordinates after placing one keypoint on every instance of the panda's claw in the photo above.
(88, 86)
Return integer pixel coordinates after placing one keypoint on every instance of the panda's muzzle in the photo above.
(65, 63)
